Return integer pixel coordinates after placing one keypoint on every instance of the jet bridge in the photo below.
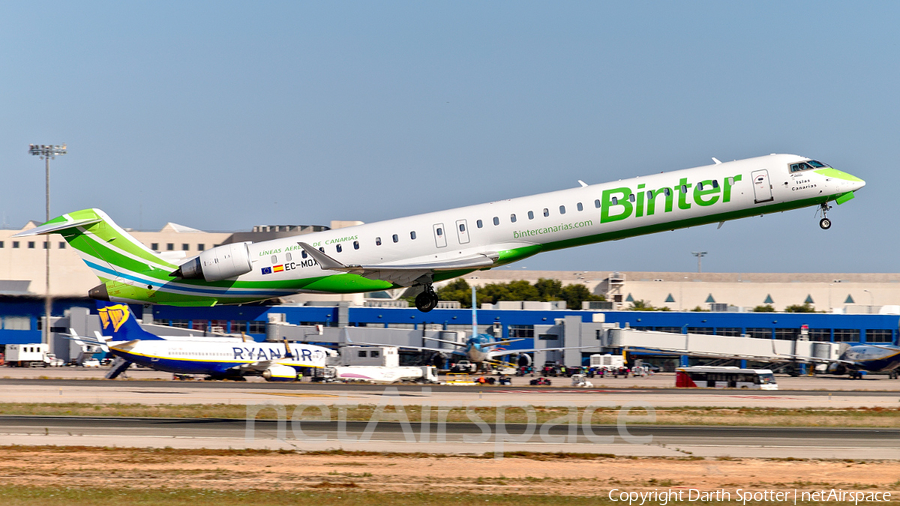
(704, 345)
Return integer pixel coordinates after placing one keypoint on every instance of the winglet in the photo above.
(582, 183)
(716, 160)
(325, 262)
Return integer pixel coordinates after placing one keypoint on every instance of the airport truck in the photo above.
(30, 355)
(375, 364)
(608, 362)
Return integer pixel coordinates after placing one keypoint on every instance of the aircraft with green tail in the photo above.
(420, 250)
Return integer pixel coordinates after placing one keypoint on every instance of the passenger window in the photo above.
(668, 192)
(512, 218)
(479, 224)
(412, 235)
(614, 201)
(378, 241)
(462, 227)
(530, 215)
(338, 248)
(322, 249)
(303, 254)
(730, 181)
(562, 209)
(631, 198)
(580, 207)
(546, 212)
(597, 203)
(715, 183)
(355, 244)
(496, 221)
(439, 231)
(287, 257)
(274, 259)
(684, 188)
(396, 238)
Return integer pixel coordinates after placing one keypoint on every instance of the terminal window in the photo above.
(170, 246)
(787, 334)
(62, 245)
(255, 327)
(820, 334)
(521, 331)
(30, 244)
(760, 333)
(846, 335)
(154, 246)
(879, 336)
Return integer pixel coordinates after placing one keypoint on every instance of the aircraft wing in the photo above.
(419, 348)
(498, 343)
(510, 352)
(400, 274)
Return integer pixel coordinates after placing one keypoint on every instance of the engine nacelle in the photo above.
(221, 262)
(280, 373)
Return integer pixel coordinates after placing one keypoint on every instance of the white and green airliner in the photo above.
(419, 250)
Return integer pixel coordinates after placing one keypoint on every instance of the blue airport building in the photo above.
(21, 321)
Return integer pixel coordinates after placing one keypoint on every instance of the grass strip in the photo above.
(336, 493)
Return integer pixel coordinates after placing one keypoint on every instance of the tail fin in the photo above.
(110, 252)
(119, 322)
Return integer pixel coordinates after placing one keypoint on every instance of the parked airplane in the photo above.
(215, 357)
(867, 357)
(420, 250)
(483, 348)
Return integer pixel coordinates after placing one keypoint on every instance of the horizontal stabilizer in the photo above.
(51, 228)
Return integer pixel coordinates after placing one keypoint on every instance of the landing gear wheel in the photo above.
(427, 300)
(825, 223)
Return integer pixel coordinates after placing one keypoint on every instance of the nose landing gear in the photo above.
(825, 223)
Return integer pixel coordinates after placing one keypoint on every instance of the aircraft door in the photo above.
(440, 235)
(462, 230)
(762, 188)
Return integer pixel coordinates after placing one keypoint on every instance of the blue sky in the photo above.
(224, 115)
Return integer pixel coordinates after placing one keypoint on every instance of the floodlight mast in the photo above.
(47, 152)
(699, 255)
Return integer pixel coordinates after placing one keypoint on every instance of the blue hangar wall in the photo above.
(252, 319)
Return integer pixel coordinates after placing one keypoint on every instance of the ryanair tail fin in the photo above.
(108, 250)
(118, 321)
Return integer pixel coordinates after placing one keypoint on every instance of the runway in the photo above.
(455, 438)
(218, 392)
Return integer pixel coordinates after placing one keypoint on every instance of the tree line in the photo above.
(543, 290)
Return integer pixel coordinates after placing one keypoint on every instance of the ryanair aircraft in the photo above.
(216, 357)
(420, 250)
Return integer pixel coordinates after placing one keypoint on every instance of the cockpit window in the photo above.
(807, 165)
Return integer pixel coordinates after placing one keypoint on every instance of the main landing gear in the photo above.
(427, 300)
(825, 223)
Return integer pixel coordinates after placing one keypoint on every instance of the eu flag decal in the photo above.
(267, 270)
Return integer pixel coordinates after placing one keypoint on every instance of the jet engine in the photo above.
(280, 373)
(221, 262)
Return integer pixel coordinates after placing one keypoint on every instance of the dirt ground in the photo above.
(538, 475)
